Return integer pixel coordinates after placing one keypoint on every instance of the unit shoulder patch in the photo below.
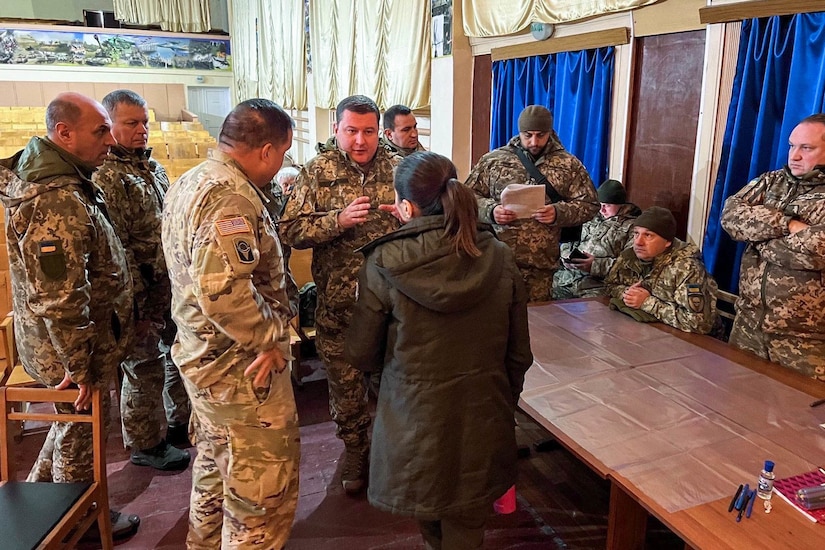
(51, 258)
(695, 298)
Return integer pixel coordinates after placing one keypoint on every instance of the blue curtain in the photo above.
(780, 79)
(575, 86)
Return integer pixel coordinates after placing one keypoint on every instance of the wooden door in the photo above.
(664, 117)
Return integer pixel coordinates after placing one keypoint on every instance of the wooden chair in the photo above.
(52, 515)
(13, 374)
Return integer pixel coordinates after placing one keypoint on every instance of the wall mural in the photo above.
(101, 49)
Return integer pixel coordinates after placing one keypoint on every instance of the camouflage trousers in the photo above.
(66, 456)
(175, 399)
(245, 475)
(348, 403)
(804, 355)
(141, 393)
(539, 283)
(572, 283)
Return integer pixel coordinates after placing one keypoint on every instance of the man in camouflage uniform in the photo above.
(334, 209)
(230, 305)
(603, 239)
(780, 312)
(134, 185)
(72, 294)
(662, 278)
(535, 240)
(401, 131)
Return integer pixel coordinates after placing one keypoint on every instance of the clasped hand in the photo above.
(635, 295)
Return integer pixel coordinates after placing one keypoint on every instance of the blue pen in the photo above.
(740, 502)
(748, 495)
(750, 504)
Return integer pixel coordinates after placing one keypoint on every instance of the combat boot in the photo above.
(356, 463)
(162, 456)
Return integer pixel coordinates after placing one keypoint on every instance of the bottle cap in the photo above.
(769, 466)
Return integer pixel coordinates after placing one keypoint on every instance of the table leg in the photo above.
(626, 521)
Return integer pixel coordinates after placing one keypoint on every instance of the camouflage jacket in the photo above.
(536, 245)
(682, 293)
(72, 294)
(134, 185)
(229, 297)
(275, 202)
(782, 276)
(398, 150)
(604, 238)
(325, 186)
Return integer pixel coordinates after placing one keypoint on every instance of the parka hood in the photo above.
(37, 169)
(419, 261)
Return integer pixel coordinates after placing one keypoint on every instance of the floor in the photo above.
(561, 503)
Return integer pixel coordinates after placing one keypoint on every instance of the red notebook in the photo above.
(787, 487)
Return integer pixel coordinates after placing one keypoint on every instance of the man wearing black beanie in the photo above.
(587, 262)
(534, 238)
(663, 278)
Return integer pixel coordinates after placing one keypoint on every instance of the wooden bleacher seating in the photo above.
(51, 515)
(182, 149)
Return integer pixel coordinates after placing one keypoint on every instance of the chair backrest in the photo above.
(76, 516)
(7, 347)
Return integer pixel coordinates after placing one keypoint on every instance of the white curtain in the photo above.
(171, 15)
(269, 51)
(497, 18)
(378, 48)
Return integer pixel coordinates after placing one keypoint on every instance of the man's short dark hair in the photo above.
(360, 104)
(254, 123)
(61, 110)
(115, 98)
(392, 112)
(818, 118)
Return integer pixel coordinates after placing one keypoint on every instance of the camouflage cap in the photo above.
(659, 220)
(535, 118)
(612, 192)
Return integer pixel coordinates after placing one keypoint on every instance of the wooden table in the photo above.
(675, 421)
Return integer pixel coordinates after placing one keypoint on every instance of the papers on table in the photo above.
(522, 199)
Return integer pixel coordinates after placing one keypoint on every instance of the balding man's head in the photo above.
(254, 123)
(81, 126)
(257, 133)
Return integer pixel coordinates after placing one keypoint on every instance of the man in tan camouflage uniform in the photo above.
(72, 294)
(401, 131)
(780, 312)
(134, 185)
(230, 305)
(662, 278)
(535, 240)
(603, 239)
(334, 209)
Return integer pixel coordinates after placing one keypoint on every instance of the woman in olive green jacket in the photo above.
(442, 309)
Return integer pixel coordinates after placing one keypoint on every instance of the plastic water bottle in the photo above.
(765, 487)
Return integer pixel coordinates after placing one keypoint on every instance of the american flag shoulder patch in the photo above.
(231, 226)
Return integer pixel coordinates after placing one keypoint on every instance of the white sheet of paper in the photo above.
(522, 199)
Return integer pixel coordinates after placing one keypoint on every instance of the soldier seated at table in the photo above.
(663, 278)
(587, 262)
